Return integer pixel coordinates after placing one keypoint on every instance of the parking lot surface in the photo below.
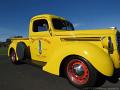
(31, 77)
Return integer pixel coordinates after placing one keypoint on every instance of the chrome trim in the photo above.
(40, 47)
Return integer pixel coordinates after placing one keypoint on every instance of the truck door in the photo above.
(40, 40)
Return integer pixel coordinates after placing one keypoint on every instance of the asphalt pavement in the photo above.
(31, 77)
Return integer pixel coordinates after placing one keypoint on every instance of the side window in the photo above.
(40, 25)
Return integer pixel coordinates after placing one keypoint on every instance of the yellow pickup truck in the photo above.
(82, 56)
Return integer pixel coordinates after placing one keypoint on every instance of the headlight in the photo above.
(107, 43)
(118, 40)
(110, 45)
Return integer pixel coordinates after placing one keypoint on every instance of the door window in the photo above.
(40, 25)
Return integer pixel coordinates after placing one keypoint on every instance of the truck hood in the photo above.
(86, 33)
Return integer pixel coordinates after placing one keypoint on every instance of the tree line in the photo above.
(8, 41)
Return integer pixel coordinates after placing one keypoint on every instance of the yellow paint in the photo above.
(58, 44)
(95, 55)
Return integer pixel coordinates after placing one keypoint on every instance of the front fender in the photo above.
(100, 60)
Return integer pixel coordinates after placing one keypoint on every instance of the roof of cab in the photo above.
(47, 15)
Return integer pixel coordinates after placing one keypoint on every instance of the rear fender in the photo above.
(12, 46)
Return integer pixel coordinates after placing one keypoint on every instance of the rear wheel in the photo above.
(13, 57)
(81, 73)
(21, 51)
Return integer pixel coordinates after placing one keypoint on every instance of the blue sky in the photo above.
(84, 14)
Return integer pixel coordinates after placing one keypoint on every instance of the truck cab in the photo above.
(79, 55)
(43, 30)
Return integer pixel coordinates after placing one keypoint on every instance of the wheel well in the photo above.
(27, 53)
(11, 49)
(63, 64)
(66, 59)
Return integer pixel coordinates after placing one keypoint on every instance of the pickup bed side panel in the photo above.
(96, 56)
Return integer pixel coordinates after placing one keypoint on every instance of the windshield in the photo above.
(62, 24)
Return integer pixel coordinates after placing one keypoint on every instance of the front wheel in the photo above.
(81, 73)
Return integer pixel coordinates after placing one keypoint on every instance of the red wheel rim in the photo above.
(13, 56)
(77, 72)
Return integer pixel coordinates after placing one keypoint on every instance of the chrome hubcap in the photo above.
(78, 69)
(13, 57)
